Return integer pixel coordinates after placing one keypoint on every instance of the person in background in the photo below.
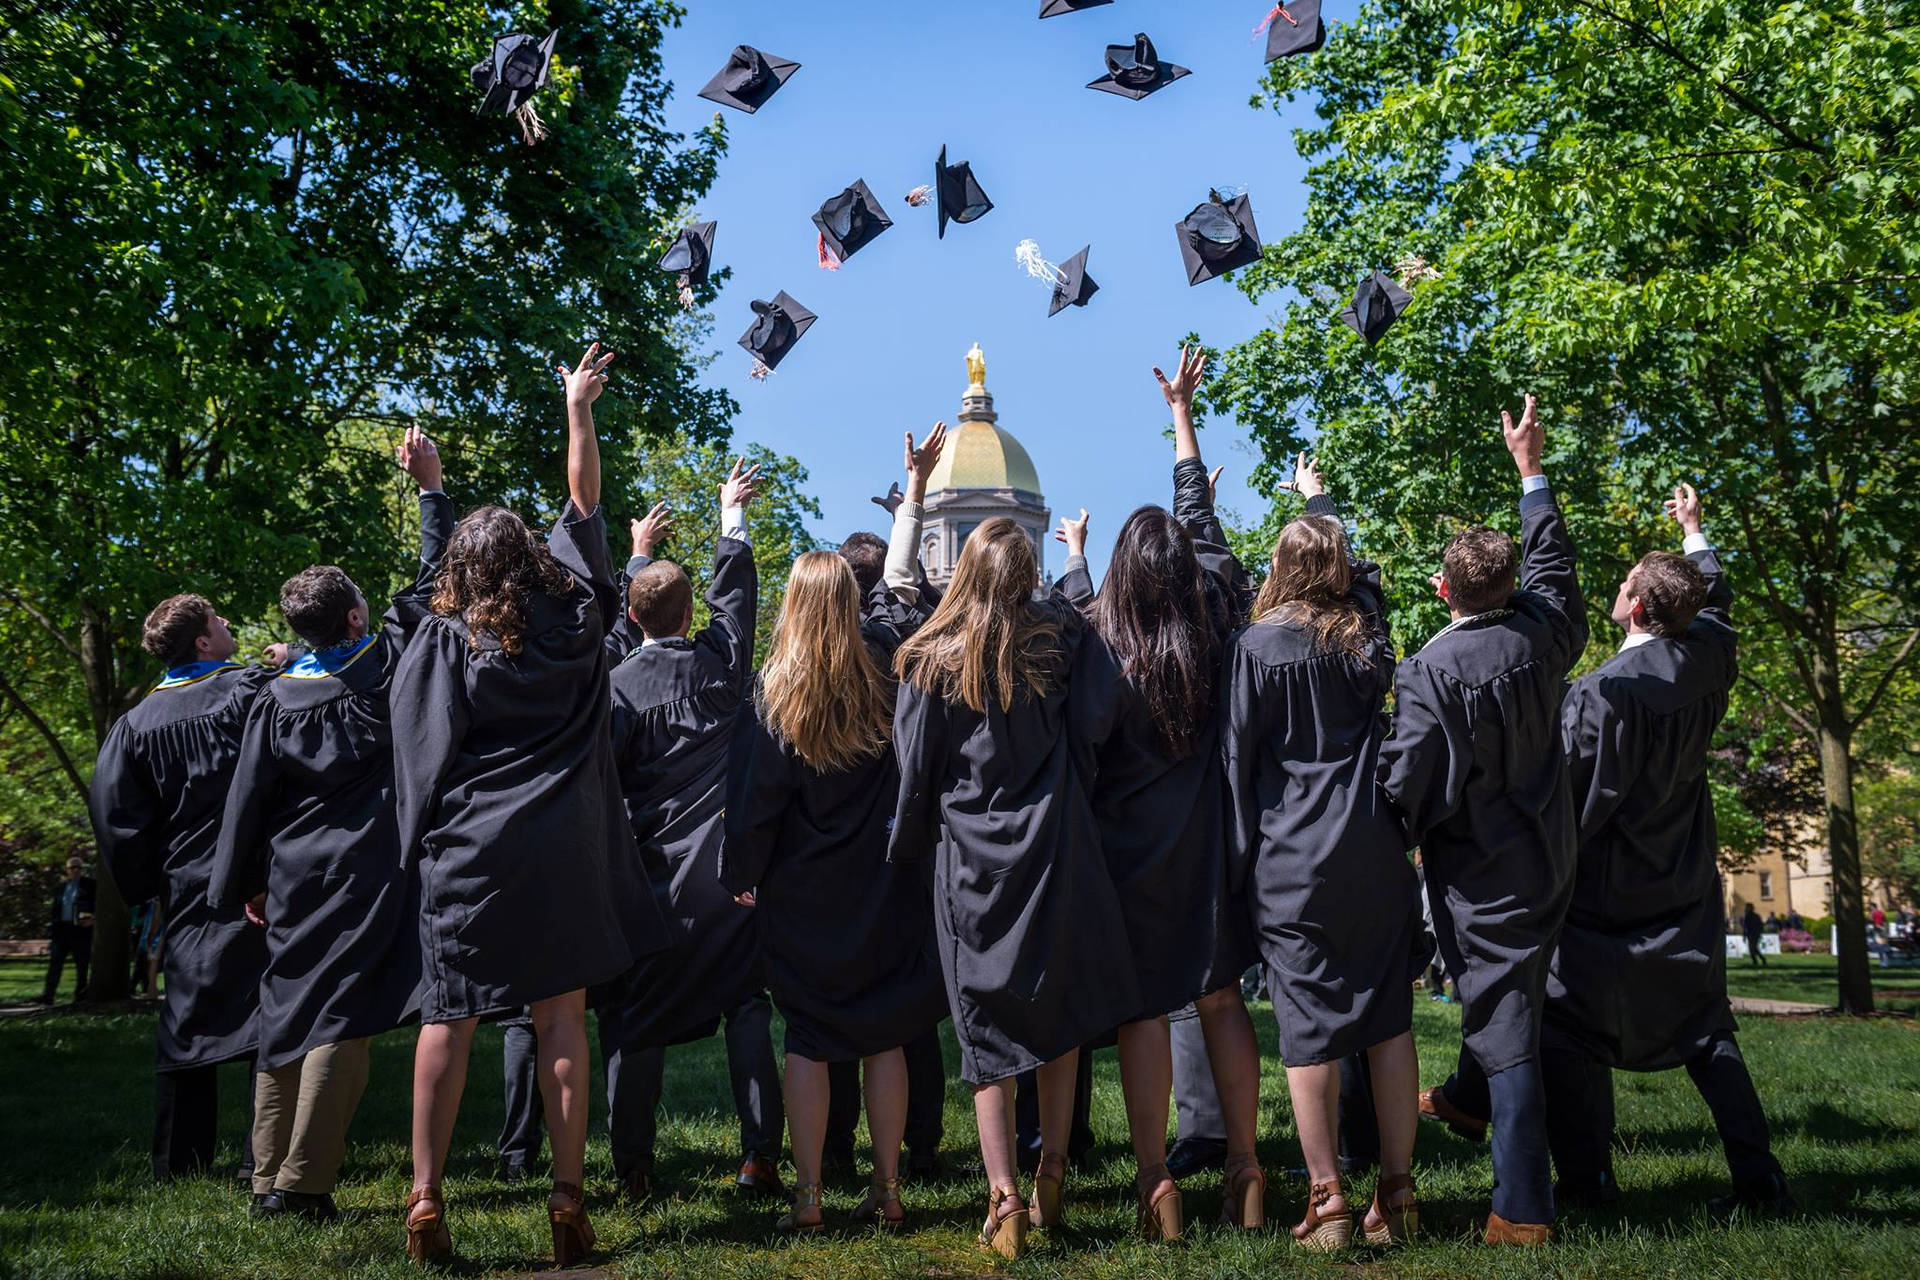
(70, 930)
(520, 1129)
(1754, 927)
(146, 924)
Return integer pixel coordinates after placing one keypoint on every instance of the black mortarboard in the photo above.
(1218, 237)
(958, 193)
(777, 325)
(1294, 27)
(690, 257)
(848, 223)
(1376, 304)
(510, 76)
(1054, 8)
(749, 79)
(1135, 70)
(1074, 286)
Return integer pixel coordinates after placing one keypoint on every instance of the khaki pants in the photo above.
(300, 1116)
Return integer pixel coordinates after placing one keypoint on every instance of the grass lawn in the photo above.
(76, 1198)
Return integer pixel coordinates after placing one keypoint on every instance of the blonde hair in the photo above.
(987, 640)
(1307, 583)
(821, 692)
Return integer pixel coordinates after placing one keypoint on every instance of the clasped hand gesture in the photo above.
(586, 380)
(419, 458)
(1684, 507)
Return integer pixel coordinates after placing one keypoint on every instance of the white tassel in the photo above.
(761, 371)
(1027, 254)
(532, 127)
(919, 195)
(686, 292)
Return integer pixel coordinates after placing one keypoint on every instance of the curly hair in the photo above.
(175, 623)
(493, 561)
(316, 601)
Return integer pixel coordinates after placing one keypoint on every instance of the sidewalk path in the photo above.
(1775, 1008)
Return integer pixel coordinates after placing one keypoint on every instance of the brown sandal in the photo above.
(1160, 1217)
(806, 1195)
(572, 1234)
(1048, 1188)
(1325, 1234)
(877, 1210)
(1006, 1230)
(1243, 1195)
(1398, 1219)
(428, 1239)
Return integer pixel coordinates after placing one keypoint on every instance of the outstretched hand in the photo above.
(1074, 533)
(1213, 484)
(1307, 481)
(1684, 506)
(652, 529)
(419, 458)
(890, 503)
(921, 460)
(742, 483)
(1525, 440)
(586, 380)
(1186, 380)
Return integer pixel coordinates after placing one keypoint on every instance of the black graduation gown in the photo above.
(1334, 897)
(1032, 941)
(310, 820)
(158, 793)
(1475, 770)
(509, 803)
(1162, 821)
(848, 936)
(677, 705)
(1639, 979)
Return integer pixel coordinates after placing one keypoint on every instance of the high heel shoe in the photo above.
(427, 1236)
(1048, 1188)
(1393, 1220)
(1006, 1230)
(572, 1234)
(1160, 1216)
(806, 1195)
(1329, 1233)
(1243, 1196)
(879, 1208)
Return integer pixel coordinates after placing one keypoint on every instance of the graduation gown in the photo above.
(847, 935)
(676, 706)
(509, 804)
(1476, 771)
(1032, 941)
(1639, 979)
(310, 821)
(1162, 821)
(1333, 892)
(156, 800)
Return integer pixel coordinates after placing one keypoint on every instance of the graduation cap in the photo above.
(690, 256)
(1072, 286)
(1135, 70)
(776, 327)
(510, 76)
(958, 193)
(1293, 27)
(1054, 8)
(848, 223)
(1376, 304)
(1217, 237)
(749, 79)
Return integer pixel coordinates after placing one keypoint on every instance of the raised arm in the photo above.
(902, 572)
(1075, 583)
(420, 459)
(584, 383)
(1548, 566)
(733, 598)
(1684, 507)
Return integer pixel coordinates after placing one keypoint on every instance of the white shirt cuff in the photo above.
(1532, 484)
(1695, 542)
(733, 523)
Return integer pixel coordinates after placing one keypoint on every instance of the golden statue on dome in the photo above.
(976, 368)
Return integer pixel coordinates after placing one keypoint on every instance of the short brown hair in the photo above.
(659, 597)
(1479, 564)
(1670, 590)
(866, 554)
(315, 603)
(175, 623)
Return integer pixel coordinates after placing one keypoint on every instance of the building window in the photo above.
(1766, 886)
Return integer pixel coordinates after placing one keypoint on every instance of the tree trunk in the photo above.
(1843, 837)
(111, 975)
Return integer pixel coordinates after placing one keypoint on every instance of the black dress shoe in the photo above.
(314, 1207)
(265, 1205)
(1195, 1155)
(636, 1188)
(513, 1174)
(758, 1176)
(1770, 1196)
(1604, 1194)
(925, 1166)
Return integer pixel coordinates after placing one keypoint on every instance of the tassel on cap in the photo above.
(827, 261)
(761, 370)
(686, 291)
(1278, 11)
(532, 127)
(1027, 254)
(919, 195)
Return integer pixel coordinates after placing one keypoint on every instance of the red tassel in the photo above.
(1278, 11)
(827, 261)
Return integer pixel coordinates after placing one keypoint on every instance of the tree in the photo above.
(247, 245)
(1692, 231)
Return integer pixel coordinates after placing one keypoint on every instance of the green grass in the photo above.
(76, 1199)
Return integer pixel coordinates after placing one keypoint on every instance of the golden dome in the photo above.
(979, 455)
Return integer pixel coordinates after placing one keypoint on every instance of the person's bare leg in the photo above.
(884, 1079)
(439, 1078)
(1315, 1091)
(1146, 1084)
(560, 1043)
(1056, 1081)
(807, 1091)
(993, 1116)
(1234, 1053)
(1395, 1066)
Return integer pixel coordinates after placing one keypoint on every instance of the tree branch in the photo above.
(46, 731)
(1886, 678)
(1793, 713)
(45, 623)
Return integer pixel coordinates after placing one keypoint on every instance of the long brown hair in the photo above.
(821, 692)
(493, 561)
(1307, 583)
(1152, 612)
(987, 640)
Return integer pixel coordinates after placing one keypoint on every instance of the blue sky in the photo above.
(881, 87)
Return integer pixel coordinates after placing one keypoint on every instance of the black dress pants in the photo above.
(1026, 1113)
(521, 1127)
(186, 1123)
(70, 942)
(926, 1100)
(635, 1078)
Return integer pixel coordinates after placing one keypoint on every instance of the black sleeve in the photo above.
(623, 633)
(919, 745)
(760, 785)
(1243, 726)
(240, 854)
(1714, 623)
(1075, 586)
(1426, 759)
(416, 601)
(126, 818)
(1602, 767)
(734, 601)
(1193, 508)
(430, 718)
(580, 543)
(1548, 568)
